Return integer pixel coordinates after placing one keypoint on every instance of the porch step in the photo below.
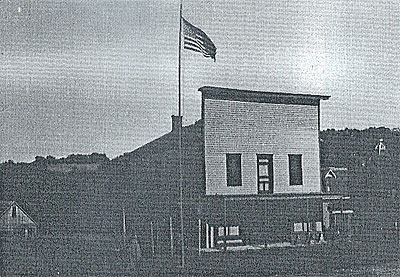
(231, 241)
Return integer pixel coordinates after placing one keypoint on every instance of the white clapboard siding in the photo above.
(252, 128)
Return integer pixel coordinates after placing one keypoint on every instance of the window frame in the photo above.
(230, 182)
(270, 172)
(292, 180)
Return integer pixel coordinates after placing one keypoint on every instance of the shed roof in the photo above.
(220, 93)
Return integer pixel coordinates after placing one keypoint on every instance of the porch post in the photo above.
(207, 236)
(212, 241)
(265, 223)
(224, 224)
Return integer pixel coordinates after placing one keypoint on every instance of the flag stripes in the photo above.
(196, 40)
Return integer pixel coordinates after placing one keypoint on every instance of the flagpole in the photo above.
(179, 61)
(180, 135)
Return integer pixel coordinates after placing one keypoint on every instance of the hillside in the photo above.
(73, 194)
(84, 192)
(352, 148)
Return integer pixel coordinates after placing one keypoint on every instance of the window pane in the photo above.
(234, 169)
(263, 170)
(295, 170)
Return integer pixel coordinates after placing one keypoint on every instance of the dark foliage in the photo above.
(352, 148)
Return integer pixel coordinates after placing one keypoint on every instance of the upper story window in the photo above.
(265, 173)
(14, 211)
(234, 169)
(295, 170)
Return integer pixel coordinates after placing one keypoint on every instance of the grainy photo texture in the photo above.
(199, 138)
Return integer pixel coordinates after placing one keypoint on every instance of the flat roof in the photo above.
(220, 93)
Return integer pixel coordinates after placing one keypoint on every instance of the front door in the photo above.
(265, 173)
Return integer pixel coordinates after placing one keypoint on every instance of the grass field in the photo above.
(101, 255)
(317, 260)
(78, 255)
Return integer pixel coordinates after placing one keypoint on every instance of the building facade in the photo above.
(262, 165)
(270, 138)
(250, 173)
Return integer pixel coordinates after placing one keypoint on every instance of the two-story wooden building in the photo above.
(251, 170)
(262, 165)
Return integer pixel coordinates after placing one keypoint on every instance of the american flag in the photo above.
(196, 40)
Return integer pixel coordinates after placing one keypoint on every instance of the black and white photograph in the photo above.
(199, 138)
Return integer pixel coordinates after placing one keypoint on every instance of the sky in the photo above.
(84, 76)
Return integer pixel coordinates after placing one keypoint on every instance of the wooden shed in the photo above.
(14, 220)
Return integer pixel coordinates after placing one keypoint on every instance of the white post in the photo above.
(152, 237)
(124, 223)
(172, 235)
(207, 236)
(212, 237)
(199, 235)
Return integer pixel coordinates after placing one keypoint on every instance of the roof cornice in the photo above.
(220, 93)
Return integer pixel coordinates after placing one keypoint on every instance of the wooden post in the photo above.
(207, 236)
(171, 231)
(199, 235)
(199, 213)
(36, 254)
(224, 225)
(152, 237)
(265, 224)
(308, 215)
(124, 224)
(157, 230)
(212, 241)
(343, 221)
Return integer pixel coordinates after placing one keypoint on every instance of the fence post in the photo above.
(344, 231)
(171, 236)
(199, 235)
(152, 237)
